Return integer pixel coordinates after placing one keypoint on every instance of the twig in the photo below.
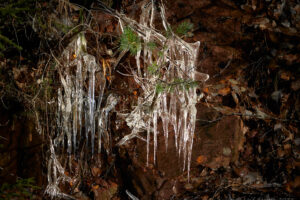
(121, 55)
(4, 103)
(247, 115)
(3, 138)
(227, 65)
(4, 124)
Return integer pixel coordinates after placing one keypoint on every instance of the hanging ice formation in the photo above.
(79, 113)
(176, 59)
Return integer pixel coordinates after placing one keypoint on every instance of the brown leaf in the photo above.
(285, 76)
(95, 187)
(201, 159)
(206, 90)
(96, 171)
(224, 91)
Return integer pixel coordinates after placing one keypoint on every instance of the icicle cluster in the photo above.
(77, 103)
(79, 114)
(176, 109)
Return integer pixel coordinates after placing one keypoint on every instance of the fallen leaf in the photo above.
(95, 187)
(224, 91)
(96, 171)
(285, 76)
(201, 159)
(206, 90)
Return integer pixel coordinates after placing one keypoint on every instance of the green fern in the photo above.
(130, 41)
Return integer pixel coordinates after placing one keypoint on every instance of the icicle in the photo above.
(75, 104)
(103, 118)
(67, 109)
(58, 119)
(100, 123)
(148, 141)
(91, 64)
(79, 95)
(173, 117)
(100, 132)
(165, 118)
(87, 124)
(185, 135)
(155, 133)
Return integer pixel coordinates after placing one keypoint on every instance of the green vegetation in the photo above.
(151, 45)
(178, 83)
(184, 28)
(153, 69)
(22, 189)
(130, 41)
(12, 19)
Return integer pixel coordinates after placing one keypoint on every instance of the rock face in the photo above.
(21, 145)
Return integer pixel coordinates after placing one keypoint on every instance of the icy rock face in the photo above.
(176, 60)
(79, 115)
